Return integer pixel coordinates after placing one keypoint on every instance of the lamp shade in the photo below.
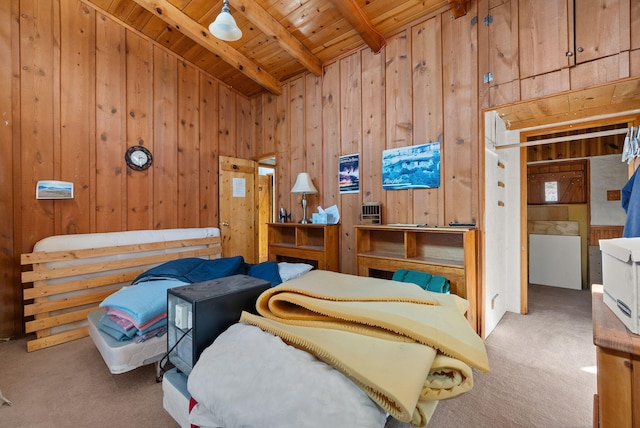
(303, 184)
(224, 27)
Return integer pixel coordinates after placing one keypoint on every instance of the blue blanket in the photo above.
(142, 301)
(114, 330)
(146, 297)
(191, 269)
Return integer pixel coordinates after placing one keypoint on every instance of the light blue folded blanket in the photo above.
(114, 330)
(142, 301)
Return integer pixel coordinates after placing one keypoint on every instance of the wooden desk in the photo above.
(617, 403)
(447, 251)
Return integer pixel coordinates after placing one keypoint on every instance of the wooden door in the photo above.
(570, 178)
(544, 36)
(265, 214)
(238, 208)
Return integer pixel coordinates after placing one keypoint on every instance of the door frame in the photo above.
(547, 113)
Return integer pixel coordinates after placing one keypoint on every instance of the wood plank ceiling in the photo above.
(281, 38)
(620, 97)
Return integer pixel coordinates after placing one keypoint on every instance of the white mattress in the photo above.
(110, 239)
(122, 357)
(175, 397)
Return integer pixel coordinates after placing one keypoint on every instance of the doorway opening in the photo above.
(572, 194)
(505, 129)
(266, 203)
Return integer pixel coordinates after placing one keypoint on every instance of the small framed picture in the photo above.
(350, 173)
(50, 189)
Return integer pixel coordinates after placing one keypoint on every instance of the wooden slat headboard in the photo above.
(66, 284)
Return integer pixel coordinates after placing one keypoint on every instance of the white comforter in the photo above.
(283, 387)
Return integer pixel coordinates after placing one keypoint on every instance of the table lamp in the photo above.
(304, 185)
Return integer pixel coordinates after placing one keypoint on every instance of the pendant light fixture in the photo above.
(224, 27)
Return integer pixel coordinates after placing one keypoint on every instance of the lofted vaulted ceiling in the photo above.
(281, 38)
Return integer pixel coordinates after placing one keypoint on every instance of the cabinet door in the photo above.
(599, 27)
(503, 44)
(544, 36)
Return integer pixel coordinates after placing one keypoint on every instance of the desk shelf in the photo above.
(447, 251)
(316, 244)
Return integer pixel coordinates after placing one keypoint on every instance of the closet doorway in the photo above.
(567, 151)
(573, 194)
(507, 130)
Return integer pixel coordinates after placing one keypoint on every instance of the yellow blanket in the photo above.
(405, 347)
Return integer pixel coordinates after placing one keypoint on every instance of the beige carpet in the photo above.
(540, 377)
(70, 386)
(542, 368)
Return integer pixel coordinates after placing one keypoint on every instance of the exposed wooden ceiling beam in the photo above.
(272, 28)
(190, 28)
(458, 7)
(356, 17)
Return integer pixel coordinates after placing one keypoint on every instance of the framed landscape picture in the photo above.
(411, 167)
(50, 189)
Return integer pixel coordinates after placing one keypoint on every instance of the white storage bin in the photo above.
(621, 279)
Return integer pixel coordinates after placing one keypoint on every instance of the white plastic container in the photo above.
(621, 279)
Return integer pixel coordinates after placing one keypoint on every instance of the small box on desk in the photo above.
(322, 218)
(621, 279)
(198, 313)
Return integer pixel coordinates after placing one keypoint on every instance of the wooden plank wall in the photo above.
(427, 84)
(87, 88)
(596, 233)
(117, 89)
(369, 104)
(77, 88)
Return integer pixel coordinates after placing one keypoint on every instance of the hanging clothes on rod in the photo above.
(631, 204)
(631, 148)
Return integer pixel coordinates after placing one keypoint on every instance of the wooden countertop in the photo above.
(608, 331)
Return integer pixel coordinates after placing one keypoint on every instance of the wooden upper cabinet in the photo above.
(635, 25)
(543, 36)
(602, 29)
(547, 30)
(503, 43)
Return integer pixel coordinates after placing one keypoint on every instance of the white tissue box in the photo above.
(322, 218)
(621, 279)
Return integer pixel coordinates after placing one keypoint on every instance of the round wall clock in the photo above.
(138, 158)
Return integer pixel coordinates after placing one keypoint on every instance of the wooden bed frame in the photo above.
(68, 285)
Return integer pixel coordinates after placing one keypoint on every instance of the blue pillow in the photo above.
(267, 271)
